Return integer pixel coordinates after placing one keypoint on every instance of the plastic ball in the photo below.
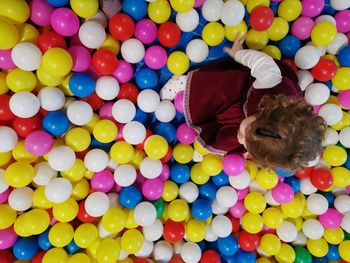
(97, 204)
(135, 8)
(146, 31)
(85, 234)
(152, 189)
(278, 29)
(123, 111)
(201, 209)
(287, 232)
(163, 251)
(289, 10)
(84, 9)
(282, 193)
(150, 168)
(19, 174)
(104, 61)
(221, 226)
(255, 202)
(233, 164)
(123, 73)
(96, 160)
(334, 155)
(302, 27)
(341, 19)
(323, 33)
(9, 139)
(270, 244)
(343, 250)
(340, 5)
(154, 231)
(24, 104)
(324, 70)
(341, 79)
(134, 132)
(211, 10)
(26, 56)
(156, 147)
(11, 33)
(92, 34)
(190, 252)
(331, 219)
(317, 204)
(213, 33)
(165, 111)
(131, 241)
(155, 57)
(331, 113)
(241, 181)
(132, 50)
(55, 123)
(313, 229)
(159, 11)
(51, 98)
(226, 196)
(261, 18)
(197, 50)
(313, 57)
(232, 12)
(145, 214)
(38, 143)
(64, 21)
(256, 40)
(105, 131)
(317, 248)
(178, 63)
(121, 26)
(130, 196)
(187, 22)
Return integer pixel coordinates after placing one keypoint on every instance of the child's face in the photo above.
(243, 129)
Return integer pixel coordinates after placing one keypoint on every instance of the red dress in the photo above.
(219, 96)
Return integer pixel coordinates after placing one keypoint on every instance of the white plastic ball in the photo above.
(313, 229)
(107, 87)
(123, 255)
(43, 173)
(344, 137)
(187, 21)
(287, 232)
(189, 192)
(317, 93)
(222, 226)
(146, 249)
(240, 181)
(58, 190)
(269, 198)
(305, 78)
(342, 203)
(24, 104)
(218, 209)
(145, 214)
(134, 132)
(307, 57)
(314, 161)
(226, 196)
(100, 18)
(317, 204)
(51, 98)
(300, 240)
(325, 18)
(21, 199)
(232, 12)
(3, 185)
(255, 187)
(96, 160)
(163, 251)
(123, 111)
(209, 234)
(151, 169)
(26, 56)
(132, 50)
(8, 139)
(211, 10)
(102, 232)
(337, 44)
(125, 175)
(165, 111)
(79, 112)
(345, 223)
(331, 137)
(340, 4)
(197, 50)
(97, 204)
(92, 34)
(191, 252)
(154, 231)
(331, 113)
(148, 100)
(61, 158)
(306, 187)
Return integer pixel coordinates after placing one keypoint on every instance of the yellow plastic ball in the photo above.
(178, 62)
(61, 234)
(57, 62)
(76, 172)
(108, 251)
(19, 174)
(170, 192)
(159, 11)
(263, 260)
(78, 139)
(3, 86)
(114, 220)
(232, 31)
(66, 211)
(334, 155)
(256, 39)
(20, 226)
(122, 152)
(289, 9)
(270, 244)
(40, 200)
(343, 123)
(5, 158)
(323, 33)
(255, 202)
(21, 80)
(272, 217)
(252, 169)
(47, 79)
(211, 164)
(131, 241)
(156, 147)
(213, 33)
(266, 178)
(27, 33)
(341, 176)
(199, 148)
(251, 4)
(16, 11)
(112, 44)
(7, 216)
(278, 30)
(198, 175)
(85, 235)
(79, 258)
(344, 250)
(105, 131)
(84, 8)
(36, 221)
(20, 153)
(252, 223)
(293, 209)
(130, 221)
(341, 80)
(137, 158)
(183, 153)
(195, 230)
(64, 85)
(91, 251)
(55, 255)
(91, 124)
(80, 189)
(178, 210)
(8, 34)
(317, 247)
(182, 5)
(286, 254)
(272, 51)
(333, 236)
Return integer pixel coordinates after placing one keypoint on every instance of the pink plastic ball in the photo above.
(233, 164)
(316, 109)
(198, 3)
(348, 36)
(106, 111)
(120, 132)
(179, 102)
(65, 22)
(155, 57)
(8, 237)
(302, 27)
(6, 60)
(241, 193)
(238, 210)
(40, 12)
(185, 134)
(81, 58)
(344, 98)
(331, 219)
(165, 173)
(152, 189)
(38, 143)
(4, 195)
(102, 181)
(140, 179)
(312, 8)
(146, 31)
(282, 193)
(342, 19)
(124, 71)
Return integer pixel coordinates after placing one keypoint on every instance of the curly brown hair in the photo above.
(285, 133)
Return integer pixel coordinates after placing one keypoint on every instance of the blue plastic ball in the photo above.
(319, 260)
(180, 173)
(82, 85)
(201, 209)
(43, 240)
(293, 182)
(289, 46)
(72, 247)
(95, 144)
(146, 79)
(25, 248)
(58, 3)
(130, 196)
(137, 9)
(140, 116)
(220, 180)
(228, 246)
(329, 196)
(166, 130)
(244, 257)
(55, 123)
(344, 56)
(284, 173)
(208, 191)
(333, 253)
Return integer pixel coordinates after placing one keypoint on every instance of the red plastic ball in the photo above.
(306, 172)
(324, 70)
(94, 101)
(38, 258)
(169, 34)
(210, 256)
(173, 231)
(247, 241)
(176, 260)
(24, 126)
(261, 18)
(51, 39)
(83, 215)
(121, 26)
(141, 260)
(6, 257)
(321, 178)
(5, 111)
(291, 63)
(104, 61)
(168, 156)
(235, 224)
(141, 146)
(128, 91)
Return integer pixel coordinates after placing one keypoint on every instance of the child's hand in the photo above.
(237, 45)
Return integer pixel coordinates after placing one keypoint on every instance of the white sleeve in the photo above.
(262, 67)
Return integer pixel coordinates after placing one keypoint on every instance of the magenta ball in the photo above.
(342, 19)
(155, 57)
(38, 143)
(65, 22)
(331, 219)
(4, 195)
(6, 59)
(120, 132)
(40, 12)
(185, 134)
(165, 173)
(344, 98)
(233, 164)
(241, 193)
(152, 189)
(7, 237)
(312, 8)
(282, 193)
(302, 27)
(146, 31)
(106, 111)
(140, 179)
(198, 3)
(238, 210)
(124, 71)
(179, 102)
(81, 58)
(102, 181)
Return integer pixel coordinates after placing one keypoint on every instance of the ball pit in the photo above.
(95, 167)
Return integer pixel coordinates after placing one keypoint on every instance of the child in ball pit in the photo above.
(251, 104)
